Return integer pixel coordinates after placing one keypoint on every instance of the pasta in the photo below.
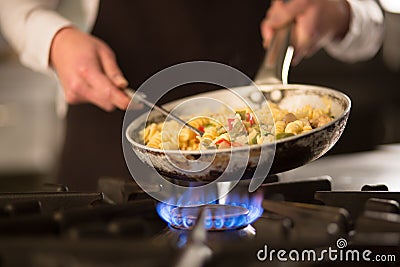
(245, 127)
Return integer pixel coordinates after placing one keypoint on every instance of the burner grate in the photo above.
(123, 227)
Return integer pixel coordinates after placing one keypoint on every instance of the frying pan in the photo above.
(276, 157)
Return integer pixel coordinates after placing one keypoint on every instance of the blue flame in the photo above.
(231, 213)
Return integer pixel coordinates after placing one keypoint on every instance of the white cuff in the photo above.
(42, 25)
(364, 37)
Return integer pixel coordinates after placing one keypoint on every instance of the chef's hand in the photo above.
(87, 70)
(316, 22)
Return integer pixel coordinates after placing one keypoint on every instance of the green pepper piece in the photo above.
(254, 140)
(242, 114)
(283, 135)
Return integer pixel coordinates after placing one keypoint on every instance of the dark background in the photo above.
(375, 95)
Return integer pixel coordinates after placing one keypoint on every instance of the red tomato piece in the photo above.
(222, 140)
(250, 118)
(224, 144)
(230, 123)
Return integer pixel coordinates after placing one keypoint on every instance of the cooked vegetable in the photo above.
(246, 127)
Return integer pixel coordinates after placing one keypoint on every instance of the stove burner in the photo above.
(218, 217)
(122, 227)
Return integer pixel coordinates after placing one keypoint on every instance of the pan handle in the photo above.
(275, 67)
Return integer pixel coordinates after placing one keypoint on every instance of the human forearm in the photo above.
(364, 37)
(349, 30)
(29, 27)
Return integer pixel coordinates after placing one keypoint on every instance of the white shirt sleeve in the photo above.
(29, 26)
(365, 34)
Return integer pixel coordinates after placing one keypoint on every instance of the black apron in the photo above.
(148, 36)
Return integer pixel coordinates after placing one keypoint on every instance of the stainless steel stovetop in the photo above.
(120, 226)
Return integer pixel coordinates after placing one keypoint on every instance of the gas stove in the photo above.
(279, 224)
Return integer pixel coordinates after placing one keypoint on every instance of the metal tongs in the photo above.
(142, 98)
